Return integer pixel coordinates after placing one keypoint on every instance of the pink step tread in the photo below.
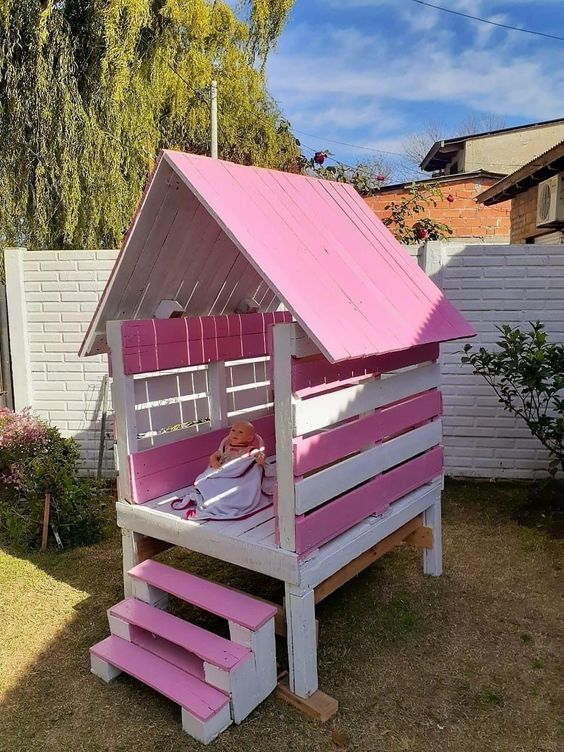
(208, 646)
(169, 652)
(185, 690)
(242, 609)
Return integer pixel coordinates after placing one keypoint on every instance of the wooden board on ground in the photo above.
(319, 706)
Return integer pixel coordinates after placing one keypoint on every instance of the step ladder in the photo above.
(215, 681)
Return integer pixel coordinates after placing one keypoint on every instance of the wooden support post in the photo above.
(46, 513)
(433, 557)
(217, 395)
(135, 549)
(302, 642)
(282, 367)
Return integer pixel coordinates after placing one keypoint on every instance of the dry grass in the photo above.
(463, 663)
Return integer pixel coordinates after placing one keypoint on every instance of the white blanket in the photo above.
(234, 490)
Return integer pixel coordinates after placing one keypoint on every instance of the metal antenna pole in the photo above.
(213, 104)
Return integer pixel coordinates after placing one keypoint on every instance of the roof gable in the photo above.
(315, 244)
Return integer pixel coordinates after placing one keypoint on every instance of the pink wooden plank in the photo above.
(182, 688)
(329, 446)
(168, 651)
(206, 645)
(155, 344)
(229, 604)
(192, 353)
(315, 371)
(165, 469)
(374, 497)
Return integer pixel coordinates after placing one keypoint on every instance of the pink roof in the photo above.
(316, 244)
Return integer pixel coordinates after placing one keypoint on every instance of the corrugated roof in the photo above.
(316, 244)
(538, 169)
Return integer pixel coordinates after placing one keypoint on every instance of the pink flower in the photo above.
(450, 198)
(319, 157)
(380, 178)
(421, 233)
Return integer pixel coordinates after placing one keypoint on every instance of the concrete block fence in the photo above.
(52, 296)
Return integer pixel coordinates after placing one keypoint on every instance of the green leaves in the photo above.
(527, 373)
(404, 221)
(92, 90)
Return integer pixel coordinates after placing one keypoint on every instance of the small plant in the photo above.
(366, 177)
(34, 460)
(527, 374)
(405, 220)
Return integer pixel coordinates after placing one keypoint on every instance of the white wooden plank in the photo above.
(169, 437)
(206, 731)
(433, 557)
(302, 642)
(102, 669)
(261, 532)
(337, 553)
(274, 562)
(302, 345)
(282, 334)
(123, 400)
(326, 409)
(335, 480)
(217, 380)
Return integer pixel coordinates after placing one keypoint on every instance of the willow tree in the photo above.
(90, 90)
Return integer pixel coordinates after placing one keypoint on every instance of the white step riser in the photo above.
(102, 669)
(119, 628)
(261, 679)
(150, 594)
(206, 731)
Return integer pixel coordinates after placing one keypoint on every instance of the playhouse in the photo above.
(281, 299)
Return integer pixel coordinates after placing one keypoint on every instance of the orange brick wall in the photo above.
(524, 217)
(464, 216)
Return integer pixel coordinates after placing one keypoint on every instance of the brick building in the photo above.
(466, 218)
(528, 225)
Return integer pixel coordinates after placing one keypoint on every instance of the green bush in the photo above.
(34, 460)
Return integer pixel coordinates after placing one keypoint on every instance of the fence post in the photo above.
(431, 261)
(6, 389)
(17, 327)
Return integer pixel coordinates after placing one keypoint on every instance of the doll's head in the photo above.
(242, 434)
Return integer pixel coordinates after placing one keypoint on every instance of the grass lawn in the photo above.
(467, 662)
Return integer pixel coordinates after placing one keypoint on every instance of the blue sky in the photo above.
(373, 72)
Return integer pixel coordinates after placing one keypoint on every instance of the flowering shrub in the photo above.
(409, 218)
(34, 460)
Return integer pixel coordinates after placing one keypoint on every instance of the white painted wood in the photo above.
(202, 538)
(217, 380)
(334, 555)
(17, 327)
(123, 400)
(217, 677)
(102, 669)
(433, 557)
(262, 643)
(150, 594)
(335, 480)
(119, 628)
(130, 559)
(302, 345)
(302, 642)
(326, 409)
(167, 307)
(283, 399)
(206, 731)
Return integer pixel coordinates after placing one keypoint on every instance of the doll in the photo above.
(241, 441)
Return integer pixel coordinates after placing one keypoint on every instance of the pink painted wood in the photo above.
(309, 374)
(206, 645)
(329, 446)
(169, 652)
(374, 497)
(168, 468)
(185, 690)
(324, 253)
(159, 344)
(229, 604)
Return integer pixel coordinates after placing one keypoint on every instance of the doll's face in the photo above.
(241, 434)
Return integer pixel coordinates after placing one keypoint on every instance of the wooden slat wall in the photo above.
(366, 433)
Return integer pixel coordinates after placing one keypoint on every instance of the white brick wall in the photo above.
(52, 295)
(494, 285)
(54, 300)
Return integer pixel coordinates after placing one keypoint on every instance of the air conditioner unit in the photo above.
(550, 202)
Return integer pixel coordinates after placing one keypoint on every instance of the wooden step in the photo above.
(233, 606)
(207, 646)
(198, 698)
